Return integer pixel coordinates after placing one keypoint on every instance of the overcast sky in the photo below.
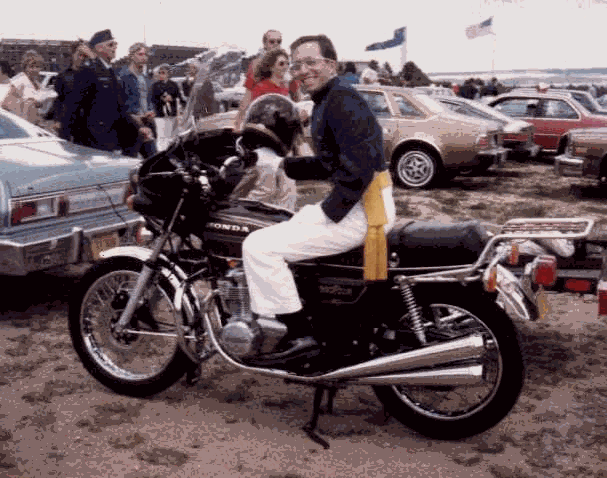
(528, 33)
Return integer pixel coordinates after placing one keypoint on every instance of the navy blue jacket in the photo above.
(95, 109)
(348, 143)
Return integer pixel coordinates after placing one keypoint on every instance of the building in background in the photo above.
(56, 53)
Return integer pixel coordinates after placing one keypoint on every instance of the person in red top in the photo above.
(271, 40)
(270, 74)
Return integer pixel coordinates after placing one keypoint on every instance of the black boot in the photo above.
(299, 334)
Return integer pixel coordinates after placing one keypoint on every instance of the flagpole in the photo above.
(493, 59)
(403, 54)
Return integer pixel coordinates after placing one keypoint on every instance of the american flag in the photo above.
(480, 29)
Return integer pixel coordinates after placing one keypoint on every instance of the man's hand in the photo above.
(150, 115)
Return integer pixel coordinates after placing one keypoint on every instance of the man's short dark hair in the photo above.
(327, 50)
(350, 67)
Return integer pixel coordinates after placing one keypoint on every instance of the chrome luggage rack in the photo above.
(520, 228)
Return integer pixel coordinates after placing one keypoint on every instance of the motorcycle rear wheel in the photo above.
(142, 362)
(454, 412)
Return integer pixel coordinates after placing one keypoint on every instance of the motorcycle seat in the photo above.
(423, 244)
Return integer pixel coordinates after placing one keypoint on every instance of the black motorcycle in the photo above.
(442, 356)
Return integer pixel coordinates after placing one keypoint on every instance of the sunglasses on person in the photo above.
(309, 62)
(282, 63)
(275, 42)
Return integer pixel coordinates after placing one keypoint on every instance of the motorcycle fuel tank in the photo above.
(233, 221)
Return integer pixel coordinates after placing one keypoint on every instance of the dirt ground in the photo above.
(57, 421)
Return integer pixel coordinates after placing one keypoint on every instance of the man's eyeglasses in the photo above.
(281, 63)
(275, 42)
(112, 44)
(309, 62)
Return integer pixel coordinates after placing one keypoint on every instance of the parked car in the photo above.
(553, 113)
(585, 154)
(60, 203)
(230, 97)
(439, 91)
(582, 97)
(423, 141)
(518, 134)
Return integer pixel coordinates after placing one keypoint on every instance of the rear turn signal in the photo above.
(514, 254)
(602, 296)
(490, 280)
(544, 271)
(578, 285)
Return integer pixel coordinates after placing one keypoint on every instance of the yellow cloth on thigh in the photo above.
(376, 247)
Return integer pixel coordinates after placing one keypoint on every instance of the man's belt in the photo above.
(376, 248)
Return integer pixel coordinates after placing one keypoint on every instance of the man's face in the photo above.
(272, 41)
(32, 70)
(107, 49)
(140, 57)
(311, 68)
(163, 75)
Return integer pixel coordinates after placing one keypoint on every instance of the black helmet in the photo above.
(274, 117)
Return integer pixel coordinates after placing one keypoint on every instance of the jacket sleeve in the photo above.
(131, 96)
(309, 167)
(359, 139)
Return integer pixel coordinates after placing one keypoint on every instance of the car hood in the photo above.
(43, 166)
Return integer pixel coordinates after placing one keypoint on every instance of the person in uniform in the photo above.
(95, 108)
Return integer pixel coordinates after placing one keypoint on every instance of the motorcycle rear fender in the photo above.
(174, 274)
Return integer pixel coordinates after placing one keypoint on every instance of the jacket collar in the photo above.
(320, 95)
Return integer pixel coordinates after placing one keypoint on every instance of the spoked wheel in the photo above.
(146, 358)
(453, 412)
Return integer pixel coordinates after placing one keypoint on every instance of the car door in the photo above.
(554, 118)
(519, 108)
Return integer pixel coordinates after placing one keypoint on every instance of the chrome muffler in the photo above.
(471, 375)
(442, 354)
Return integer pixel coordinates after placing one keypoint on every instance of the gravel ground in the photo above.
(55, 420)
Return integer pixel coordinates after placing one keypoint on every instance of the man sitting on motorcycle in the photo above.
(349, 153)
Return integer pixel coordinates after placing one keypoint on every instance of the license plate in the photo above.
(541, 298)
(102, 243)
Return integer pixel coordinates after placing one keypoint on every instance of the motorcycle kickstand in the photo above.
(310, 427)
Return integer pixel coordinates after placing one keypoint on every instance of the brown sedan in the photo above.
(423, 141)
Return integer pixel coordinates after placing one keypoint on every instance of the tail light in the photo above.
(544, 271)
(602, 296)
(129, 190)
(34, 209)
(578, 285)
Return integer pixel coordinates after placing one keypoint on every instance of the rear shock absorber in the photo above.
(416, 319)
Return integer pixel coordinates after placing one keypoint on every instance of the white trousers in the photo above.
(308, 234)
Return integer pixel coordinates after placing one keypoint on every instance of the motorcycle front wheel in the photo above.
(454, 412)
(147, 358)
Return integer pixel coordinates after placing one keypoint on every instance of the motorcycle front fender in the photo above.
(512, 298)
(170, 270)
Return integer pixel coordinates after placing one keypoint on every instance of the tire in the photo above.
(451, 413)
(135, 365)
(415, 168)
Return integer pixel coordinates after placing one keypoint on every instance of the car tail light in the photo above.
(483, 141)
(34, 209)
(129, 190)
(578, 285)
(602, 297)
(544, 271)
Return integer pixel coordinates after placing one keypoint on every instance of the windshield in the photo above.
(212, 65)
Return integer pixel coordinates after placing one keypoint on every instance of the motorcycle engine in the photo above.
(243, 336)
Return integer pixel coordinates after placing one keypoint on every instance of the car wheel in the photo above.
(415, 168)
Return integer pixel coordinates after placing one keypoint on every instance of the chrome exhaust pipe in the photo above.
(435, 355)
(456, 376)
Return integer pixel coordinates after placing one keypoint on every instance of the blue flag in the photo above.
(399, 39)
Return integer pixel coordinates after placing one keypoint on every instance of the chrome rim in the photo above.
(457, 402)
(416, 168)
(150, 341)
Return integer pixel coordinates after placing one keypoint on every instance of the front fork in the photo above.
(147, 272)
